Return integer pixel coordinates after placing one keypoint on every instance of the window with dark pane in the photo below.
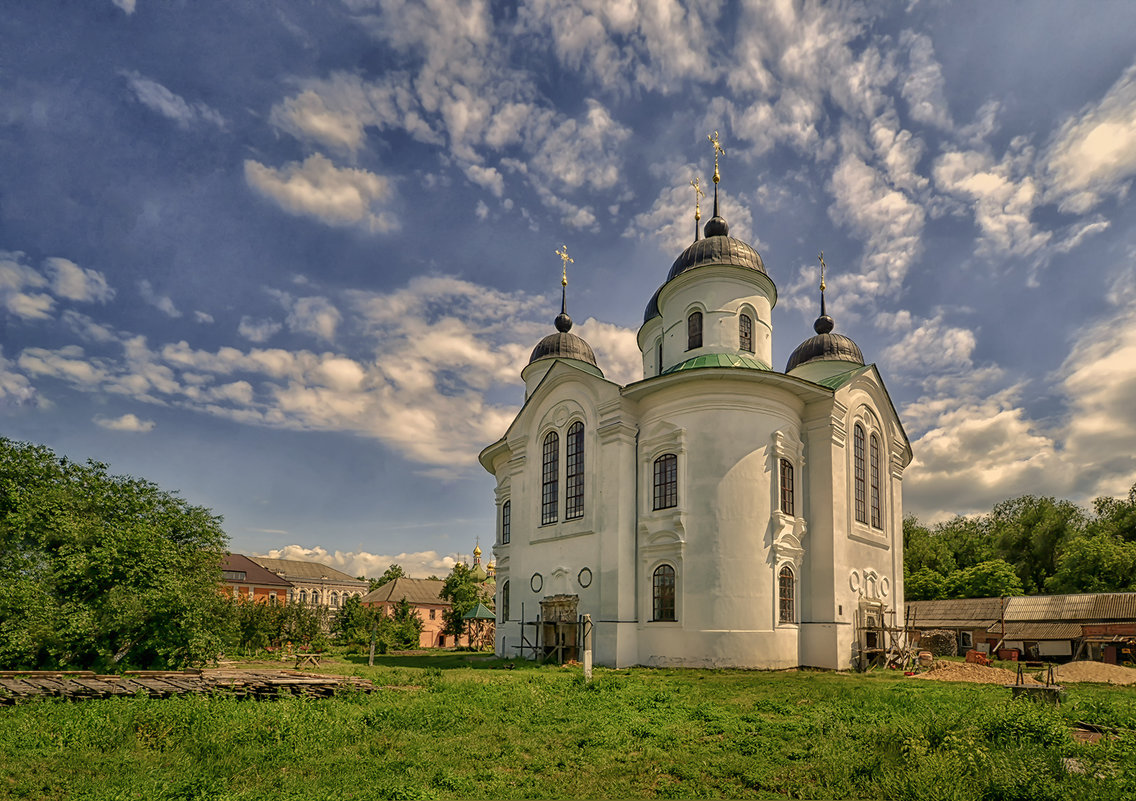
(787, 505)
(745, 333)
(859, 471)
(666, 481)
(505, 601)
(785, 593)
(663, 592)
(506, 521)
(574, 473)
(550, 479)
(694, 331)
(874, 466)
(659, 357)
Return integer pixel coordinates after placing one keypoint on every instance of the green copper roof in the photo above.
(840, 379)
(479, 612)
(719, 360)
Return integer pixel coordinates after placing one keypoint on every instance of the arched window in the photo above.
(303, 596)
(335, 600)
(550, 478)
(859, 473)
(504, 602)
(506, 521)
(787, 505)
(874, 465)
(666, 481)
(659, 356)
(315, 598)
(663, 593)
(694, 330)
(785, 595)
(745, 333)
(574, 472)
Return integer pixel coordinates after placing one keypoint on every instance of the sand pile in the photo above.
(973, 674)
(1095, 671)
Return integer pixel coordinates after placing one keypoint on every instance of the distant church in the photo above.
(717, 513)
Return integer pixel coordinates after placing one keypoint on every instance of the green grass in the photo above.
(450, 726)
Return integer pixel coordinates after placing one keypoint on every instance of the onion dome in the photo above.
(564, 344)
(717, 247)
(825, 346)
(652, 310)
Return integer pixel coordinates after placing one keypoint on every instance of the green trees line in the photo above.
(1026, 545)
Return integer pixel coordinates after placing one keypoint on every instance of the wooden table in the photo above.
(307, 660)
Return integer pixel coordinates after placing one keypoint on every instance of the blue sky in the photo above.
(289, 257)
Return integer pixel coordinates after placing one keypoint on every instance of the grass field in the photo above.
(443, 726)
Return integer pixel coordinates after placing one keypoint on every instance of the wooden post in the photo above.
(587, 648)
(371, 658)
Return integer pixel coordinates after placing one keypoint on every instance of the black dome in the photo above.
(719, 249)
(563, 345)
(652, 310)
(825, 347)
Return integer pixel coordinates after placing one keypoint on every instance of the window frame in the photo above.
(664, 593)
(745, 337)
(664, 482)
(875, 487)
(574, 471)
(786, 595)
(859, 474)
(786, 481)
(505, 601)
(506, 521)
(550, 479)
(694, 330)
(659, 356)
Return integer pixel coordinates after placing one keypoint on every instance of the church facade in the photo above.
(717, 513)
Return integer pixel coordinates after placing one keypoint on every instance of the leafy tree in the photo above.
(924, 584)
(1030, 531)
(990, 579)
(1100, 562)
(1116, 517)
(924, 549)
(390, 574)
(407, 625)
(461, 589)
(967, 539)
(353, 622)
(101, 570)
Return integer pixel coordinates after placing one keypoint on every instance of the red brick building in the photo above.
(244, 578)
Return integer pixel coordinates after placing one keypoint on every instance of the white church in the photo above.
(717, 513)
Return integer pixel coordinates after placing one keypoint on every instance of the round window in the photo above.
(585, 577)
(536, 582)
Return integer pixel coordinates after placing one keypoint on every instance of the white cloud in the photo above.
(170, 105)
(416, 564)
(926, 346)
(205, 318)
(616, 348)
(18, 282)
(128, 422)
(162, 303)
(1094, 152)
(258, 331)
(312, 315)
(923, 86)
(481, 211)
(319, 189)
(73, 282)
(126, 5)
(15, 389)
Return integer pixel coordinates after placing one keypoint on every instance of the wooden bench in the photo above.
(307, 660)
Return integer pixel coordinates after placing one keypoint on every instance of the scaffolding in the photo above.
(557, 631)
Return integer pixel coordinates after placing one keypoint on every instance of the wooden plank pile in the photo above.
(17, 686)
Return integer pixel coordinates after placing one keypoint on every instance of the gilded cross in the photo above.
(718, 149)
(821, 257)
(698, 194)
(564, 260)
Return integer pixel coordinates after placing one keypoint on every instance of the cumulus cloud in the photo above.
(172, 106)
(126, 5)
(15, 389)
(319, 189)
(258, 330)
(416, 564)
(923, 86)
(926, 346)
(163, 303)
(31, 294)
(205, 318)
(128, 422)
(1093, 154)
(73, 282)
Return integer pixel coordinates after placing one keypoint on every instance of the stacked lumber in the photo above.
(17, 686)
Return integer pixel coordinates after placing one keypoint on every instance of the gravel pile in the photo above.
(1095, 672)
(972, 674)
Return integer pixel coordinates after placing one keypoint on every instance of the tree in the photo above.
(390, 574)
(924, 584)
(102, 571)
(923, 548)
(461, 590)
(407, 625)
(967, 540)
(991, 579)
(1115, 516)
(1029, 532)
(1100, 562)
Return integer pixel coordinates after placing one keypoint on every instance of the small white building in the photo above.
(717, 513)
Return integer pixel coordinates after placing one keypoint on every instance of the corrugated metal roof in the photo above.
(953, 613)
(296, 569)
(719, 360)
(1038, 631)
(416, 591)
(1084, 607)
